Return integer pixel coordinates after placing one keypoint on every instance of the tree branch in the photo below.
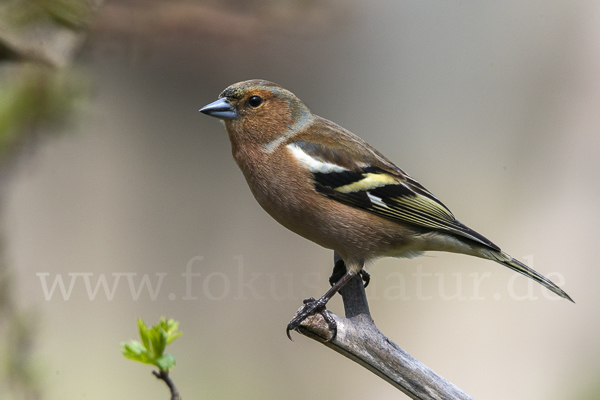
(164, 376)
(359, 339)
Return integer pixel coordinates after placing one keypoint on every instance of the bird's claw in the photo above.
(312, 307)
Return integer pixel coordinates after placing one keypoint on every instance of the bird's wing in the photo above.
(357, 175)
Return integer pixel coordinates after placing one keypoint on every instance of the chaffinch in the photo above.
(326, 184)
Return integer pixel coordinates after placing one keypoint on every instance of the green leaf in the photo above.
(134, 347)
(165, 362)
(136, 351)
(143, 330)
(159, 342)
(154, 341)
(173, 336)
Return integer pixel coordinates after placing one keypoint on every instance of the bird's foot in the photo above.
(312, 307)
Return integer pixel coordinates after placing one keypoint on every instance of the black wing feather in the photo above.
(389, 193)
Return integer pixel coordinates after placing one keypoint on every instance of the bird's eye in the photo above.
(255, 101)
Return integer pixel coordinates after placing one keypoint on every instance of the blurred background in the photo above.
(109, 172)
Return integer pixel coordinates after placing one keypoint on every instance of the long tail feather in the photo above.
(521, 268)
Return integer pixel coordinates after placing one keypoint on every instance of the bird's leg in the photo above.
(339, 269)
(312, 306)
(366, 277)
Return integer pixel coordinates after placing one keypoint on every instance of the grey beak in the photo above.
(220, 109)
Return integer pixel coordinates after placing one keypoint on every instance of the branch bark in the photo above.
(359, 340)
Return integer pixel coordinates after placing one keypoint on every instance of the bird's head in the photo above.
(258, 110)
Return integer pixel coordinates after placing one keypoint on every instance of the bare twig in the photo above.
(164, 376)
(359, 339)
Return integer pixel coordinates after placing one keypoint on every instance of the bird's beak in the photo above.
(220, 109)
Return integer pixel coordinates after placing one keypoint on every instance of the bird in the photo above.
(329, 186)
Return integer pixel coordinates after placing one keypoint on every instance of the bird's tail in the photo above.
(506, 260)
